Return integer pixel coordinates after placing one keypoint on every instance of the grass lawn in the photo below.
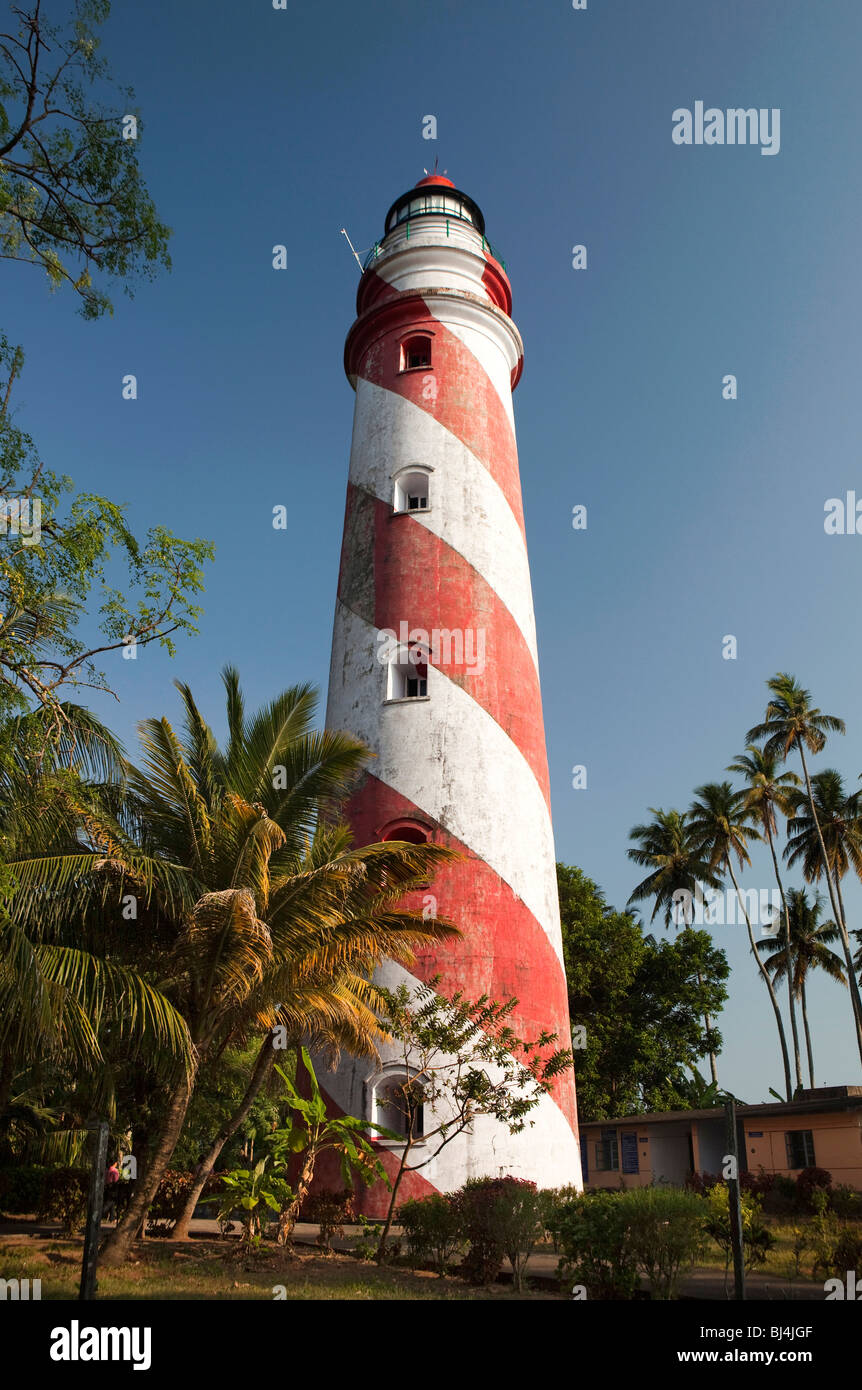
(198, 1270)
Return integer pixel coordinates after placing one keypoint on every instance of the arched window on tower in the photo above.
(411, 832)
(399, 1105)
(415, 352)
(412, 491)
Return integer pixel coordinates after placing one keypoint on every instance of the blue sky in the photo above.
(705, 515)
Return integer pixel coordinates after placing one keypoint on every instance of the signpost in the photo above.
(95, 1200)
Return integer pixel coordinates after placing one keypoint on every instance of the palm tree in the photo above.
(214, 844)
(666, 847)
(839, 824)
(809, 944)
(60, 1004)
(769, 791)
(792, 722)
(720, 826)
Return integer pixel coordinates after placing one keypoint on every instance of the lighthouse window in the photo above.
(407, 676)
(399, 1103)
(411, 492)
(409, 833)
(415, 352)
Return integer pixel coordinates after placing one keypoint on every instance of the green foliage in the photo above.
(64, 1196)
(312, 1131)
(253, 1190)
(665, 1233)
(51, 583)
(810, 1183)
(21, 1188)
(499, 1216)
(72, 199)
(432, 1229)
(592, 1236)
(330, 1211)
(846, 1202)
(640, 1001)
(757, 1240)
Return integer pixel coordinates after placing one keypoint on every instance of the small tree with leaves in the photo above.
(313, 1132)
(459, 1060)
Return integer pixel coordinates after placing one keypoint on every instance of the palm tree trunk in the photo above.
(807, 1033)
(765, 973)
(839, 918)
(791, 1003)
(262, 1068)
(848, 960)
(119, 1242)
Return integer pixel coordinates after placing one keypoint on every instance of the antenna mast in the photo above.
(352, 247)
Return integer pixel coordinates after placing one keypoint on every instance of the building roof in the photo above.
(806, 1103)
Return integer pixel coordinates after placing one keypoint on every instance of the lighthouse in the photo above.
(434, 659)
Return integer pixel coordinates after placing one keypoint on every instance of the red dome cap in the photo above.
(436, 179)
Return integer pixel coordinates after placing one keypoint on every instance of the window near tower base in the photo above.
(399, 1106)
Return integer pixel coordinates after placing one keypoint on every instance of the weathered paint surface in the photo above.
(468, 763)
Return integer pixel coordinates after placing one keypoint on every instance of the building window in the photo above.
(415, 352)
(607, 1152)
(409, 832)
(399, 1106)
(800, 1148)
(407, 675)
(411, 491)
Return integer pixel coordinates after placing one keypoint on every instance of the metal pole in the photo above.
(94, 1212)
(733, 1202)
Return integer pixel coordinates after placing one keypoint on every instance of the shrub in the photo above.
(665, 1233)
(432, 1229)
(498, 1217)
(171, 1195)
(21, 1189)
(809, 1182)
(330, 1210)
(701, 1183)
(757, 1240)
(64, 1195)
(846, 1202)
(592, 1236)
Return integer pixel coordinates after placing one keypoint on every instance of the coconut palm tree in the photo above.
(677, 872)
(839, 822)
(792, 722)
(60, 1003)
(213, 845)
(769, 791)
(810, 940)
(720, 824)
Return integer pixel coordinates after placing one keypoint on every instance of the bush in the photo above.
(846, 1202)
(64, 1195)
(701, 1183)
(498, 1216)
(758, 1241)
(21, 1189)
(592, 1235)
(809, 1182)
(665, 1233)
(432, 1229)
(170, 1198)
(330, 1210)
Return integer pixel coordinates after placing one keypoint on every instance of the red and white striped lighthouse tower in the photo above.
(434, 566)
